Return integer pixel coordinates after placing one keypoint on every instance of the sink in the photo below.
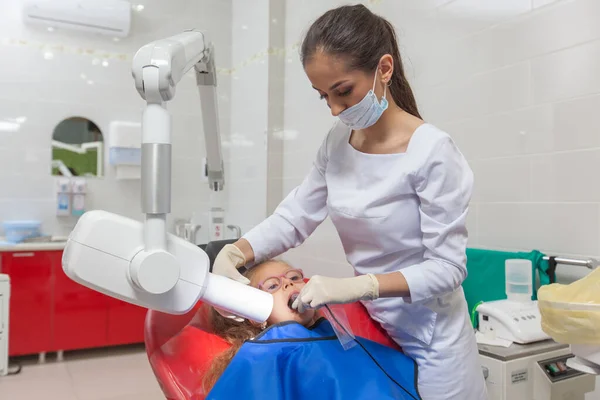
(46, 239)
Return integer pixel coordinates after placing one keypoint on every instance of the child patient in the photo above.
(277, 278)
(299, 356)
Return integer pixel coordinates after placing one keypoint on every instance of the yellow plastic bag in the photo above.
(571, 313)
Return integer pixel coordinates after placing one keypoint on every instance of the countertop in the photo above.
(517, 351)
(58, 243)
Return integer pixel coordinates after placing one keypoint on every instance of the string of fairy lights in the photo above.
(103, 57)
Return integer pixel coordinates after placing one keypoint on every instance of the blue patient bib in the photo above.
(291, 362)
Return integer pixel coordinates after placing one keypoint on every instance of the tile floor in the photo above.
(107, 374)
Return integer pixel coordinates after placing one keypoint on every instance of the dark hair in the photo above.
(235, 333)
(361, 38)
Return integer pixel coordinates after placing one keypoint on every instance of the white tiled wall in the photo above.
(47, 76)
(516, 84)
(247, 168)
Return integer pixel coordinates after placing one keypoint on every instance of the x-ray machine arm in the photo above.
(140, 262)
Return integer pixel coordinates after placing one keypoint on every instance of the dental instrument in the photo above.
(339, 323)
(141, 263)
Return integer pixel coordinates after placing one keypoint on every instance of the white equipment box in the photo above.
(536, 371)
(4, 301)
(519, 322)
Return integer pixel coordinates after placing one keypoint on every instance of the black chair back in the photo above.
(213, 248)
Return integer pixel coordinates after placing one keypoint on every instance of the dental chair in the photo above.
(180, 348)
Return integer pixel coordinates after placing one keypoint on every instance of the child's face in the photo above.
(279, 279)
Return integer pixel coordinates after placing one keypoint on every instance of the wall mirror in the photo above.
(77, 148)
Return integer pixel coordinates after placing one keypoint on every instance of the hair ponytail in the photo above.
(400, 88)
(362, 38)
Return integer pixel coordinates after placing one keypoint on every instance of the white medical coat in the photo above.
(397, 212)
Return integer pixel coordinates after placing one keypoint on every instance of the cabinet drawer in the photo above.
(25, 260)
(30, 273)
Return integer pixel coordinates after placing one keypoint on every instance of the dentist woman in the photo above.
(397, 190)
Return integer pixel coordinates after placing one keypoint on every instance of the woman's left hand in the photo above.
(321, 290)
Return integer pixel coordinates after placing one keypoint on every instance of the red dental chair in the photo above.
(180, 348)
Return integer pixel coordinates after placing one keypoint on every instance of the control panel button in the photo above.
(556, 368)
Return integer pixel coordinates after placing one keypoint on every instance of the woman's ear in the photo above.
(386, 67)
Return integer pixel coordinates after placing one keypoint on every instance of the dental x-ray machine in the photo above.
(141, 263)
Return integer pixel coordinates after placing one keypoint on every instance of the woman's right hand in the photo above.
(229, 259)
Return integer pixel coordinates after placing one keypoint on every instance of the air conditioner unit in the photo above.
(105, 17)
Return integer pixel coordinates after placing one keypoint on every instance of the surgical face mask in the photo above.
(366, 112)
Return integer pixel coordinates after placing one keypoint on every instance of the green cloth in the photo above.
(486, 279)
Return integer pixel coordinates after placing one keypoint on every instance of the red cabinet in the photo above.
(125, 323)
(50, 312)
(30, 325)
(80, 314)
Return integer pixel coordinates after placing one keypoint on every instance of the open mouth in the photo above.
(292, 298)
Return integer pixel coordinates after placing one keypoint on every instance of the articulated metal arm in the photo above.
(157, 69)
(141, 263)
